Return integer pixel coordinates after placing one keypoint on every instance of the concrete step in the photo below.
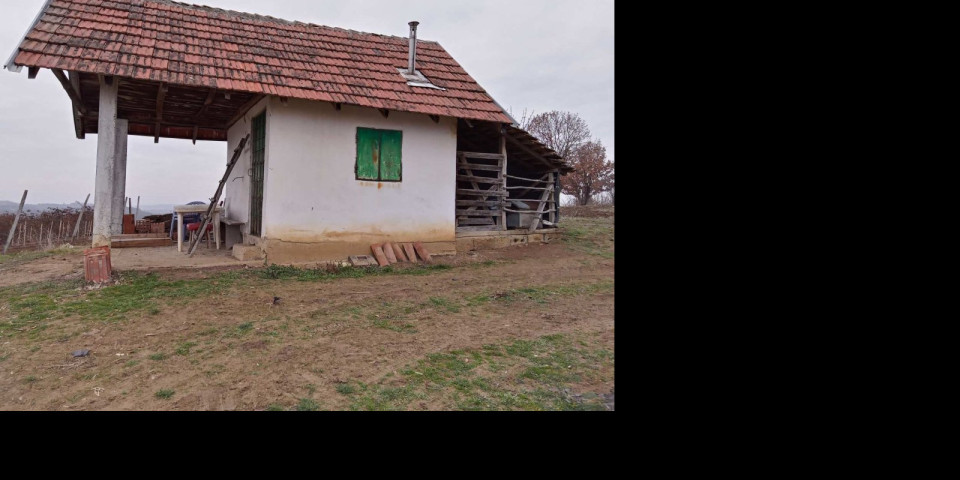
(246, 253)
(141, 242)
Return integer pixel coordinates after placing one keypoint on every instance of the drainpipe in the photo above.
(412, 64)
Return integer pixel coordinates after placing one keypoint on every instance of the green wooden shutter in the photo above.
(391, 143)
(368, 154)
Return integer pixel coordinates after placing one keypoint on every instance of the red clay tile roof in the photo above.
(206, 47)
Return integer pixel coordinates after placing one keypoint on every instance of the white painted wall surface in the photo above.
(311, 191)
(237, 190)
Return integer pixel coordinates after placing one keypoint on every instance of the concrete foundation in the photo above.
(246, 253)
(489, 241)
(285, 253)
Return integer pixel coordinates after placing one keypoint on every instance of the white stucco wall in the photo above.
(311, 194)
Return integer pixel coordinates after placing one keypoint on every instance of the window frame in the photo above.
(356, 164)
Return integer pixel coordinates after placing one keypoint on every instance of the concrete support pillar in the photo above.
(119, 177)
(105, 215)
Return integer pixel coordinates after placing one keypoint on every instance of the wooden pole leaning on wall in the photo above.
(216, 196)
(16, 219)
(76, 228)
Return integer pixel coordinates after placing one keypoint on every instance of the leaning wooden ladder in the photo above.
(216, 196)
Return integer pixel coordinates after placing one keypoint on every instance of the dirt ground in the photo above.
(253, 343)
(62, 264)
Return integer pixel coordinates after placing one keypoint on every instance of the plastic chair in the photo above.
(193, 229)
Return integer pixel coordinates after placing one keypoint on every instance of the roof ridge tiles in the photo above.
(268, 18)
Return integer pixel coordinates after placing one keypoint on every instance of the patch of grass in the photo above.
(20, 258)
(307, 405)
(393, 326)
(535, 374)
(30, 379)
(158, 357)
(138, 292)
(215, 369)
(478, 300)
(4, 357)
(131, 364)
(541, 294)
(310, 388)
(208, 332)
(184, 348)
(278, 272)
(275, 407)
(240, 330)
(380, 398)
(134, 292)
(593, 236)
(346, 389)
(164, 394)
(445, 304)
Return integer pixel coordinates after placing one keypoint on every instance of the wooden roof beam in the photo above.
(435, 118)
(244, 109)
(32, 72)
(203, 109)
(529, 151)
(161, 95)
(73, 94)
(78, 119)
(385, 112)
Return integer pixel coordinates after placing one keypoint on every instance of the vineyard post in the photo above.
(16, 219)
(76, 229)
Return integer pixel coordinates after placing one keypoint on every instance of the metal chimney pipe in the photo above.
(412, 65)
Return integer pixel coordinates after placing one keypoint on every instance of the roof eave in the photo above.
(13, 56)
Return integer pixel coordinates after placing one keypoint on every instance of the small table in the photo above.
(181, 209)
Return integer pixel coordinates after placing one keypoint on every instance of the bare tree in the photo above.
(592, 174)
(561, 131)
(525, 118)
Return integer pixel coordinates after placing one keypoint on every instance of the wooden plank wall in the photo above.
(481, 192)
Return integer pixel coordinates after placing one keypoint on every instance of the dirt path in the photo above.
(239, 350)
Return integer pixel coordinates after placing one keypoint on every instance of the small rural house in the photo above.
(354, 138)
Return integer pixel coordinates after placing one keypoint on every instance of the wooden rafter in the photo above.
(77, 116)
(529, 151)
(338, 106)
(385, 112)
(161, 95)
(196, 118)
(32, 72)
(435, 118)
(244, 109)
(74, 94)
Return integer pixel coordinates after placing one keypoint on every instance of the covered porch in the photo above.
(114, 107)
(508, 183)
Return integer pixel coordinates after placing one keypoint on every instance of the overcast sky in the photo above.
(538, 55)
